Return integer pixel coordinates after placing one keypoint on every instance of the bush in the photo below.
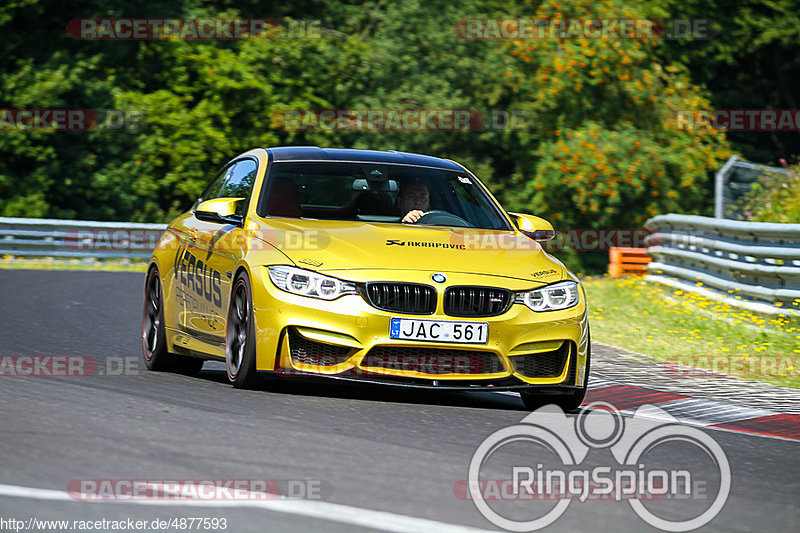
(776, 198)
(609, 152)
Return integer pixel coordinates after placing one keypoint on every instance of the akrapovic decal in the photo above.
(426, 244)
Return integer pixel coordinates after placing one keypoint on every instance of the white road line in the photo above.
(332, 512)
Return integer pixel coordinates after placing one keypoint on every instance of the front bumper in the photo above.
(348, 339)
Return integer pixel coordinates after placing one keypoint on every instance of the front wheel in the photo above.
(240, 346)
(154, 337)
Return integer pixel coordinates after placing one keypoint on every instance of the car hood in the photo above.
(328, 246)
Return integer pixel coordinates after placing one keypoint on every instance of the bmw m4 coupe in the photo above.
(365, 266)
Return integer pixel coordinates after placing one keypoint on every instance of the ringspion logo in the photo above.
(655, 469)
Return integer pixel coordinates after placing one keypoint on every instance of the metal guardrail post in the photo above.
(719, 180)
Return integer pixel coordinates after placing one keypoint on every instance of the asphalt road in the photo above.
(368, 459)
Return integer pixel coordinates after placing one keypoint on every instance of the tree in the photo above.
(606, 150)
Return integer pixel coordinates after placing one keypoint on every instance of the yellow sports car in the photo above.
(368, 266)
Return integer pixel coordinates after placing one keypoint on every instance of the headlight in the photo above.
(551, 298)
(308, 283)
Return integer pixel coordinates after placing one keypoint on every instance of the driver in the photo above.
(414, 201)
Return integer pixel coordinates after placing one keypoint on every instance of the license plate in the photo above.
(416, 329)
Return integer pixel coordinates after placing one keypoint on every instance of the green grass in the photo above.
(11, 263)
(693, 330)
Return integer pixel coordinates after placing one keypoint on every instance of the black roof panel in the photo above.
(314, 153)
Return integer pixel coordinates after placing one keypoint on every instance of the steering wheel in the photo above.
(442, 218)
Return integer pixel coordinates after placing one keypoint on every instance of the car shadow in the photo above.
(378, 393)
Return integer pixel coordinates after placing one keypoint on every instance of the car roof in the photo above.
(314, 153)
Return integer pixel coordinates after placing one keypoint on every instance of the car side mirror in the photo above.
(535, 228)
(219, 211)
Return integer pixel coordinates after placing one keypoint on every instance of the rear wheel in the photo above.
(568, 401)
(154, 338)
(240, 346)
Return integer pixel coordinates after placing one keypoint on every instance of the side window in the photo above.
(213, 188)
(238, 183)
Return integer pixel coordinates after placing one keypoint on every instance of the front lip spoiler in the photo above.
(442, 386)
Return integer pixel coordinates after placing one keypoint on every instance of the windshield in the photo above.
(378, 192)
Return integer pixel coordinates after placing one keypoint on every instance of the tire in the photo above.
(154, 337)
(568, 401)
(240, 345)
(186, 365)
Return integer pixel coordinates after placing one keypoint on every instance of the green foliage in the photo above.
(775, 198)
(599, 148)
(617, 178)
(610, 154)
(750, 63)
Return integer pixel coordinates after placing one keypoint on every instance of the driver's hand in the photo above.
(412, 216)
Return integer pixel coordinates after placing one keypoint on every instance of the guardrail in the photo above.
(755, 259)
(46, 237)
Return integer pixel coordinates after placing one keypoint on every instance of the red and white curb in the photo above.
(697, 411)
